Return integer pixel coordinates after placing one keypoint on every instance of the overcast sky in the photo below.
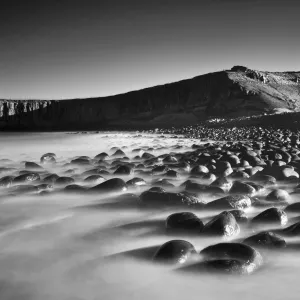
(53, 49)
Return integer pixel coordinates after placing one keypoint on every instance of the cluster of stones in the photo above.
(239, 133)
(238, 175)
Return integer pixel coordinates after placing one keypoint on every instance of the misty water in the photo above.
(92, 247)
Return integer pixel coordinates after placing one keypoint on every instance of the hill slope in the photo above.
(236, 92)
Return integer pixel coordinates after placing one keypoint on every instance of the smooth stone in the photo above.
(110, 186)
(101, 156)
(232, 258)
(123, 170)
(239, 215)
(288, 173)
(136, 181)
(292, 230)
(44, 186)
(156, 198)
(265, 239)
(239, 175)
(24, 189)
(223, 224)
(28, 177)
(223, 183)
(80, 161)
(295, 207)
(174, 252)
(6, 181)
(32, 166)
(209, 177)
(94, 171)
(157, 189)
(74, 188)
(48, 158)
(256, 186)
(263, 179)
(63, 180)
(184, 221)
(222, 166)
(119, 153)
(147, 155)
(271, 215)
(278, 195)
(171, 173)
(170, 159)
(50, 178)
(242, 188)
(94, 179)
(229, 202)
(163, 182)
(160, 169)
(70, 172)
(199, 170)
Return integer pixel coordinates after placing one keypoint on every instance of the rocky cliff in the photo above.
(236, 92)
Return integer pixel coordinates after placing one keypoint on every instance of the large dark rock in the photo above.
(278, 195)
(64, 180)
(158, 198)
(119, 153)
(75, 188)
(160, 169)
(24, 189)
(223, 224)
(263, 179)
(50, 178)
(136, 181)
(32, 166)
(293, 230)
(6, 181)
(239, 215)
(230, 202)
(170, 159)
(242, 188)
(184, 221)
(113, 185)
(163, 182)
(199, 170)
(265, 239)
(239, 175)
(295, 207)
(271, 215)
(44, 187)
(27, 177)
(123, 170)
(48, 158)
(101, 156)
(174, 252)
(233, 258)
(94, 179)
(80, 161)
(223, 183)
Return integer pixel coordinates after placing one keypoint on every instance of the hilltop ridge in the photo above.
(229, 93)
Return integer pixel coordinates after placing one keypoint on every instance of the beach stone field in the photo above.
(227, 179)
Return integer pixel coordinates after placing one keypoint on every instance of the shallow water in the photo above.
(80, 247)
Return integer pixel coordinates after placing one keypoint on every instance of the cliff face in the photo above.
(238, 91)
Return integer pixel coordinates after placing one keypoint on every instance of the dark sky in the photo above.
(72, 49)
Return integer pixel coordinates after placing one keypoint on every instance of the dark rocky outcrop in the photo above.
(235, 92)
